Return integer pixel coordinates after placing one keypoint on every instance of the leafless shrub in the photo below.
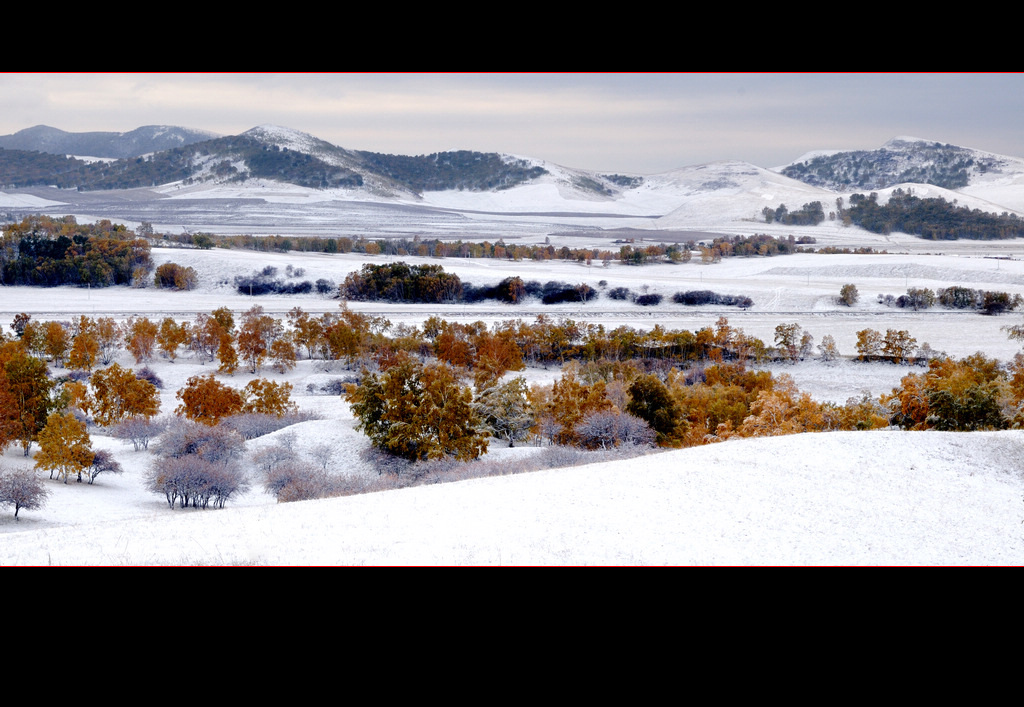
(352, 485)
(558, 455)
(296, 480)
(191, 480)
(147, 374)
(198, 465)
(215, 444)
(605, 430)
(138, 430)
(335, 386)
(323, 455)
(394, 472)
(252, 425)
(385, 464)
(549, 428)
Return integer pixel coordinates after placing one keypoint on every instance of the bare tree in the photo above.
(103, 462)
(21, 488)
(607, 429)
(198, 465)
(138, 430)
(323, 455)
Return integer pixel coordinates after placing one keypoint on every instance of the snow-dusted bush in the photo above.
(192, 480)
(557, 456)
(648, 300)
(214, 443)
(694, 298)
(611, 429)
(335, 386)
(103, 462)
(253, 424)
(296, 480)
(147, 374)
(138, 430)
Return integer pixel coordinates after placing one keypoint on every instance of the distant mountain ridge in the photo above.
(286, 156)
(141, 141)
(266, 152)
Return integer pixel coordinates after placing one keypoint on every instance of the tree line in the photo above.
(933, 218)
(49, 252)
(441, 390)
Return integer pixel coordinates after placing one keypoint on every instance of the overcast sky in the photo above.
(640, 123)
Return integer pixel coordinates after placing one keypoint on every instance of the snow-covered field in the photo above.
(884, 497)
(843, 498)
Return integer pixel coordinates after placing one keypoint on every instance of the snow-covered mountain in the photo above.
(277, 178)
(902, 160)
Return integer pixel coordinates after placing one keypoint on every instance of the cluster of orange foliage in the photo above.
(205, 399)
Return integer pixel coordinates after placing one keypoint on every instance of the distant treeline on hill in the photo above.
(807, 215)
(241, 157)
(932, 218)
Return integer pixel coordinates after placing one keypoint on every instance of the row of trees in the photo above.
(932, 218)
(957, 297)
(354, 338)
(630, 253)
(423, 411)
(45, 251)
(807, 215)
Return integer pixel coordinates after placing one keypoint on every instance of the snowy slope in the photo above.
(823, 499)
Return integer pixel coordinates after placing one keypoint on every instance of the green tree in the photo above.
(651, 401)
(506, 410)
(417, 411)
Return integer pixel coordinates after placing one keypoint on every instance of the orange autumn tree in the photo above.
(170, 336)
(785, 410)
(265, 397)
(27, 396)
(117, 394)
(140, 338)
(85, 347)
(64, 447)
(205, 399)
(571, 401)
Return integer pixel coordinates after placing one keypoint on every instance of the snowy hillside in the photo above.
(720, 197)
(833, 498)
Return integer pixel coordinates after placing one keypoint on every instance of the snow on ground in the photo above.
(797, 288)
(822, 499)
(837, 498)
